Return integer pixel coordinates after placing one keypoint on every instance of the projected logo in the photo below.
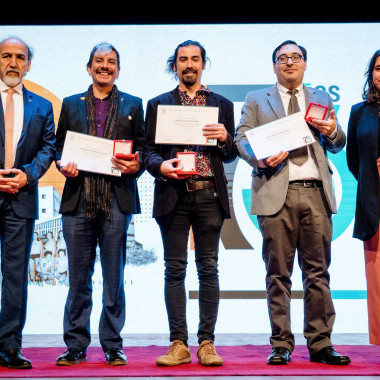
(238, 232)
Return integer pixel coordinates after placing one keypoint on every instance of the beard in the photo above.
(189, 77)
(12, 81)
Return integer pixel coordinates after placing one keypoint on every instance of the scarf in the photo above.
(97, 187)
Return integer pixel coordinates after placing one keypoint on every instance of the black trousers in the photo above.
(201, 211)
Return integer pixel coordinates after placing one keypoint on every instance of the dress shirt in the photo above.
(309, 170)
(19, 111)
(101, 111)
(203, 160)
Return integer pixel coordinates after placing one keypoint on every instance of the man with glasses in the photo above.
(293, 198)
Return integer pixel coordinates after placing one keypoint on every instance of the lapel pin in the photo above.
(82, 98)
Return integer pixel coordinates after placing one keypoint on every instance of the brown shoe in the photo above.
(207, 354)
(178, 354)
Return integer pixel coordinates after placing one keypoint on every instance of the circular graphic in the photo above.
(52, 177)
(345, 191)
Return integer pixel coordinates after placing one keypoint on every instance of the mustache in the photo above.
(12, 71)
(189, 70)
(104, 71)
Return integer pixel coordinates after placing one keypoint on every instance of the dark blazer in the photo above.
(35, 151)
(362, 153)
(130, 126)
(166, 191)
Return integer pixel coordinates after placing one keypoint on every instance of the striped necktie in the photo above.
(298, 156)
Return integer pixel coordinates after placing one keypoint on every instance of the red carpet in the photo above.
(246, 360)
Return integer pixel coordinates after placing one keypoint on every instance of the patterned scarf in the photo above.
(97, 188)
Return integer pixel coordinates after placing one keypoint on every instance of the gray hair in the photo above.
(103, 47)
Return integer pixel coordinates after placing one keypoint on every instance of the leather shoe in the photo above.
(329, 356)
(71, 357)
(14, 359)
(116, 356)
(279, 355)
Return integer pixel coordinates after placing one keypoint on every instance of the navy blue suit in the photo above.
(83, 236)
(34, 155)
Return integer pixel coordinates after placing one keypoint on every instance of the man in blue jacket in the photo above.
(26, 153)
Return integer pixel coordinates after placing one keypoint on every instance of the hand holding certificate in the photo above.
(90, 153)
(286, 134)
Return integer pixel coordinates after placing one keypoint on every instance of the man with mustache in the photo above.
(199, 202)
(293, 198)
(26, 153)
(97, 209)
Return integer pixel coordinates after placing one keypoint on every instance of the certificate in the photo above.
(90, 153)
(285, 134)
(183, 124)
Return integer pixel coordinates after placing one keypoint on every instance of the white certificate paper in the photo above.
(285, 134)
(90, 153)
(183, 124)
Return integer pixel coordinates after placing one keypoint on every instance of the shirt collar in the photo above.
(204, 89)
(4, 87)
(284, 91)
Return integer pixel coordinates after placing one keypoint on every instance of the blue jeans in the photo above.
(201, 211)
(82, 237)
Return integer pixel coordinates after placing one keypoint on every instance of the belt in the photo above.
(192, 185)
(307, 183)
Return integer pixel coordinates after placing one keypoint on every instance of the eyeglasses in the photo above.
(295, 58)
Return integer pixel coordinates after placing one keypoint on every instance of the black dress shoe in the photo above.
(116, 356)
(71, 357)
(329, 356)
(14, 359)
(279, 355)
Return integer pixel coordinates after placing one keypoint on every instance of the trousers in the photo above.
(199, 210)
(82, 237)
(304, 225)
(16, 236)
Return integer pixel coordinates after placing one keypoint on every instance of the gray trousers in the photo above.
(303, 224)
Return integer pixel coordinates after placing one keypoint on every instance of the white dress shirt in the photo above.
(309, 170)
(18, 108)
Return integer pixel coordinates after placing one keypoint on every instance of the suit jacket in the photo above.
(35, 151)
(167, 191)
(270, 185)
(130, 126)
(362, 153)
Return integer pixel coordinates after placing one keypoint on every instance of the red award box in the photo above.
(188, 163)
(316, 111)
(123, 149)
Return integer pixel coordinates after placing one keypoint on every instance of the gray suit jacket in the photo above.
(270, 185)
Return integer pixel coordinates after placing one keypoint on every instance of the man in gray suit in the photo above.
(294, 201)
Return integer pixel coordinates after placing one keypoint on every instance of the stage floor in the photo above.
(50, 340)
